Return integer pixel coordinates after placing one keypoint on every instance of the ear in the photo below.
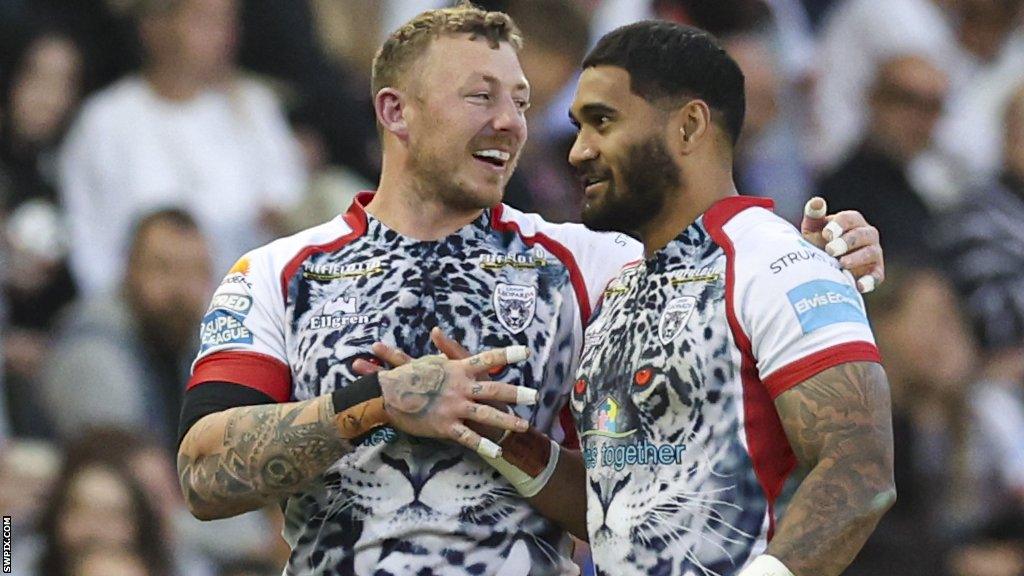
(390, 106)
(692, 125)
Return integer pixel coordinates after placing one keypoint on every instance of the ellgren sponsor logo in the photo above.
(821, 303)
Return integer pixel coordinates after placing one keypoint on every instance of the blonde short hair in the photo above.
(405, 45)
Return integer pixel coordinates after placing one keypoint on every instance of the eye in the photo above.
(603, 121)
(523, 105)
(481, 96)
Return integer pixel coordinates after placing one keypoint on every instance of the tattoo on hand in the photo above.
(413, 388)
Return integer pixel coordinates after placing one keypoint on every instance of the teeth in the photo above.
(496, 154)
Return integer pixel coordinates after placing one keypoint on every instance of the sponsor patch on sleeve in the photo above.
(821, 303)
(224, 324)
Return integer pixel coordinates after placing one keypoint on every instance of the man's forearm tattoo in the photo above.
(267, 452)
(839, 424)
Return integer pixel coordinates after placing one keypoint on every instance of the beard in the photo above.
(648, 175)
(437, 174)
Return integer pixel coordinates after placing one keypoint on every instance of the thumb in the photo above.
(814, 216)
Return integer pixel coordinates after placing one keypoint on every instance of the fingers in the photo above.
(450, 348)
(389, 355)
(491, 416)
(488, 359)
(501, 392)
(861, 237)
(463, 435)
(814, 216)
(365, 367)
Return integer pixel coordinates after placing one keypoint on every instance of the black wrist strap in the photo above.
(360, 390)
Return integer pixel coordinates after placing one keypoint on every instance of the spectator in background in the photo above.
(857, 37)
(904, 104)
(108, 562)
(769, 159)
(39, 93)
(98, 504)
(557, 34)
(946, 463)
(188, 131)
(120, 357)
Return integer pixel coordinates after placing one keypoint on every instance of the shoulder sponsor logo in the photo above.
(240, 267)
(821, 303)
(239, 303)
(221, 326)
(515, 305)
(535, 259)
(673, 319)
(329, 271)
(705, 274)
(809, 253)
(338, 313)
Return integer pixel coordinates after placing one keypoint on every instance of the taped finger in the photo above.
(832, 230)
(866, 283)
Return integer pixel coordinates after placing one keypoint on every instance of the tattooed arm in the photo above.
(246, 457)
(243, 458)
(839, 424)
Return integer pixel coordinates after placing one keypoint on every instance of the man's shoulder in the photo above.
(569, 233)
(110, 103)
(278, 253)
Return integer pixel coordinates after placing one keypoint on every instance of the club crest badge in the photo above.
(673, 319)
(515, 305)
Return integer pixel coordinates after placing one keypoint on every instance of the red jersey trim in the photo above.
(799, 370)
(356, 219)
(252, 369)
(579, 286)
(555, 247)
(770, 453)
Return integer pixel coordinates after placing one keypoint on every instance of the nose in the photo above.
(510, 118)
(582, 151)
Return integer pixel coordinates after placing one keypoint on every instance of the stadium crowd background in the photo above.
(144, 144)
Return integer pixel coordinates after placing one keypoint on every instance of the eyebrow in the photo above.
(592, 110)
(490, 79)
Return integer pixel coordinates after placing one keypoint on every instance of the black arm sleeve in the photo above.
(211, 397)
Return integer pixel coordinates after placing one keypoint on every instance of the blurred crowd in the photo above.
(145, 144)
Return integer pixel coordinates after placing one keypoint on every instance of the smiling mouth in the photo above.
(591, 184)
(497, 158)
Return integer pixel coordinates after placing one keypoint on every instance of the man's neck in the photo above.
(682, 207)
(401, 206)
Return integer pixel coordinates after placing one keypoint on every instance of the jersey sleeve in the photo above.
(801, 312)
(242, 332)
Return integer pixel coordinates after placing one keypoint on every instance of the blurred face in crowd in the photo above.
(46, 88)
(983, 25)
(465, 119)
(620, 152)
(1013, 146)
(98, 512)
(197, 37)
(936, 358)
(753, 55)
(168, 282)
(906, 101)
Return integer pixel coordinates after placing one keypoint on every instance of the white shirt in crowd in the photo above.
(225, 156)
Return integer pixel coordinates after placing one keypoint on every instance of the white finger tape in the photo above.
(526, 396)
(488, 448)
(832, 230)
(811, 212)
(866, 283)
(515, 354)
(837, 247)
